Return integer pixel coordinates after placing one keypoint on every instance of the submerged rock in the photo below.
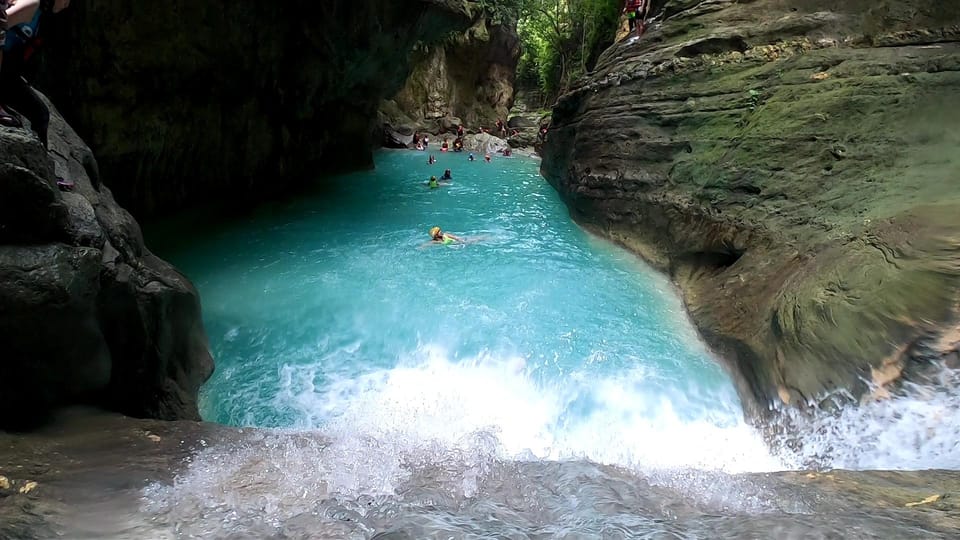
(792, 168)
(88, 313)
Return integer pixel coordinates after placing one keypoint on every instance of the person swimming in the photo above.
(432, 183)
(447, 175)
(431, 160)
(471, 157)
(487, 158)
(437, 236)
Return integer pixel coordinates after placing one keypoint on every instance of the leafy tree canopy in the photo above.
(561, 38)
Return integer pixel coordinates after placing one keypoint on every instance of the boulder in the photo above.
(484, 143)
(526, 138)
(521, 122)
(88, 313)
(399, 137)
(449, 124)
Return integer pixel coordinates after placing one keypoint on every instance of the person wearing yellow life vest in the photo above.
(437, 236)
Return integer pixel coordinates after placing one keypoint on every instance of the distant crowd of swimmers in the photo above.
(437, 235)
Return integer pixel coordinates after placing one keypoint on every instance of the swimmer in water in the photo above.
(431, 160)
(471, 157)
(437, 236)
(433, 184)
(447, 175)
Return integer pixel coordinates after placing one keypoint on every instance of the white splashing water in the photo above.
(916, 429)
(630, 419)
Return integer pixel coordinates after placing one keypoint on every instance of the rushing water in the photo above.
(477, 389)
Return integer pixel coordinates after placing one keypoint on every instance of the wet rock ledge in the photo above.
(84, 474)
(793, 166)
(87, 313)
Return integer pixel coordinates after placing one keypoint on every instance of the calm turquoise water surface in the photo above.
(331, 313)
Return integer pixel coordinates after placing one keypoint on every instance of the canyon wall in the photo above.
(794, 166)
(189, 102)
(469, 76)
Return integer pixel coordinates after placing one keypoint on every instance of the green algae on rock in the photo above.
(794, 169)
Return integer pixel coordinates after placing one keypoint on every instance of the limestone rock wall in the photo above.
(87, 313)
(469, 76)
(185, 102)
(794, 166)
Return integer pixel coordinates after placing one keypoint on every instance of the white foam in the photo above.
(915, 430)
(631, 420)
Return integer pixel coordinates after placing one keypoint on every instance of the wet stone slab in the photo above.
(97, 475)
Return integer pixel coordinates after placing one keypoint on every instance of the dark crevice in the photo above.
(714, 46)
(713, 260)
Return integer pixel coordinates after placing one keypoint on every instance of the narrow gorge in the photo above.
(718, 301)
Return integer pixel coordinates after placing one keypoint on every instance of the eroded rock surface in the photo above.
(793, 165)
(87, 313)
(469, 77)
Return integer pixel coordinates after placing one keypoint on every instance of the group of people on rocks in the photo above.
(424, 142)
(20, 22)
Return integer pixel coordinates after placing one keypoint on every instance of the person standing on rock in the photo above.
(460, 131)
(22, 40)
(6, 119)
(636, 11)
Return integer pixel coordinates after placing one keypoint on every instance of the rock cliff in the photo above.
(469, 76)
(793, 165)
(87, 313)
(185, 102)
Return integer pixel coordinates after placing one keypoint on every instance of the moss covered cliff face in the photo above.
(794, 166)
(191, 101)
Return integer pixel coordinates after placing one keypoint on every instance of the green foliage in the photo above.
(500, 11)
(562, 39)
